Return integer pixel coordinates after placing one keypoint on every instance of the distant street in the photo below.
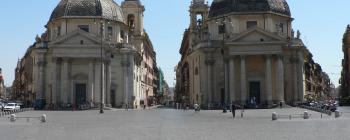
(169, 124)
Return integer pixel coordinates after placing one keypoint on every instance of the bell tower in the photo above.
(133, 12)
(199, 11)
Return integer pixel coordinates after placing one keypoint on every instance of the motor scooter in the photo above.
(196, 108)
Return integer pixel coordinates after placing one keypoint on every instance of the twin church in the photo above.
(243, 52)
(93, 52)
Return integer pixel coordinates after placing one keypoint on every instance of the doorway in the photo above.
(113, 98)
(80, 94)
(254, 92)
(222, 91)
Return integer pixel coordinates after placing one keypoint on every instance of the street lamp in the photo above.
(101, 30)
(222, 30)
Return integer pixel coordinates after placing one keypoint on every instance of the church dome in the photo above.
(107, 9)
(220, 7)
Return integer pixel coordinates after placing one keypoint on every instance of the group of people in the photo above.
(183, 106)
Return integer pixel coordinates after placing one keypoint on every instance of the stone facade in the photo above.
(250, 58)
(23, 83)
(318, 86)
(344, 81)
(93, 52)
(2, 85)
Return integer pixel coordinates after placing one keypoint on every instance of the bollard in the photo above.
(321, 115)
(274, 116)
(290, 117)
(242, 114)
(306, 115)
(13, 118)
(337, 114)
(43, 118)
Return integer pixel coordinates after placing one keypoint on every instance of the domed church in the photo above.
(242, 52)
(93, 52)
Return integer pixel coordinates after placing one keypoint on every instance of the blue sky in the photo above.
(321, 23)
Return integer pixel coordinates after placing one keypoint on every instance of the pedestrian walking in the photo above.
(224, 110)
(281, 104)
(233, 107)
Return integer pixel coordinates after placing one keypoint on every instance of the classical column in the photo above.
(280, 78)
(108, 86)
(70, 86)
(243, 80)
(209, 64)
(295, 79)
(64, 80)
(300, 76)
(268, 76)
(41, 79)
(232, 80)
(125, 64)
(227, 85)
(54, 81)
(91, 82)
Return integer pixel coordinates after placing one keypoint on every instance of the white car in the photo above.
(11, 107)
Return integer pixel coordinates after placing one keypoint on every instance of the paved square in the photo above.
(169, 124)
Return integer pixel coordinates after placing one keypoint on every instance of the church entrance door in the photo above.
(113, 98)
(254, 92)
(80, 94)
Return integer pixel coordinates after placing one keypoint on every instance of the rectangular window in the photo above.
(84, 27)
(251, 24)
(222, 28)
(281, 26)
(122, 34)
(110, 32)
(59, 31)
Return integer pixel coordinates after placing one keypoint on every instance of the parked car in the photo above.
(11, 107)
(20, 103)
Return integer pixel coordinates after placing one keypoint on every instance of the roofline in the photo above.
(83, 17)
(249, 13)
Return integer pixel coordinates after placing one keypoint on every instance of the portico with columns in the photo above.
(246, 84)
(247, 77)
(75, 77)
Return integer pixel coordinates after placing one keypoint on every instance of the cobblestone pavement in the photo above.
(169, 124)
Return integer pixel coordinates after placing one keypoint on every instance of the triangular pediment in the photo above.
(257, 35)
(77, 37)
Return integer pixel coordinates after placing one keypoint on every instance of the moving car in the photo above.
(11, 107)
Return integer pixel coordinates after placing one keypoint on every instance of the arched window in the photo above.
(131, 21)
